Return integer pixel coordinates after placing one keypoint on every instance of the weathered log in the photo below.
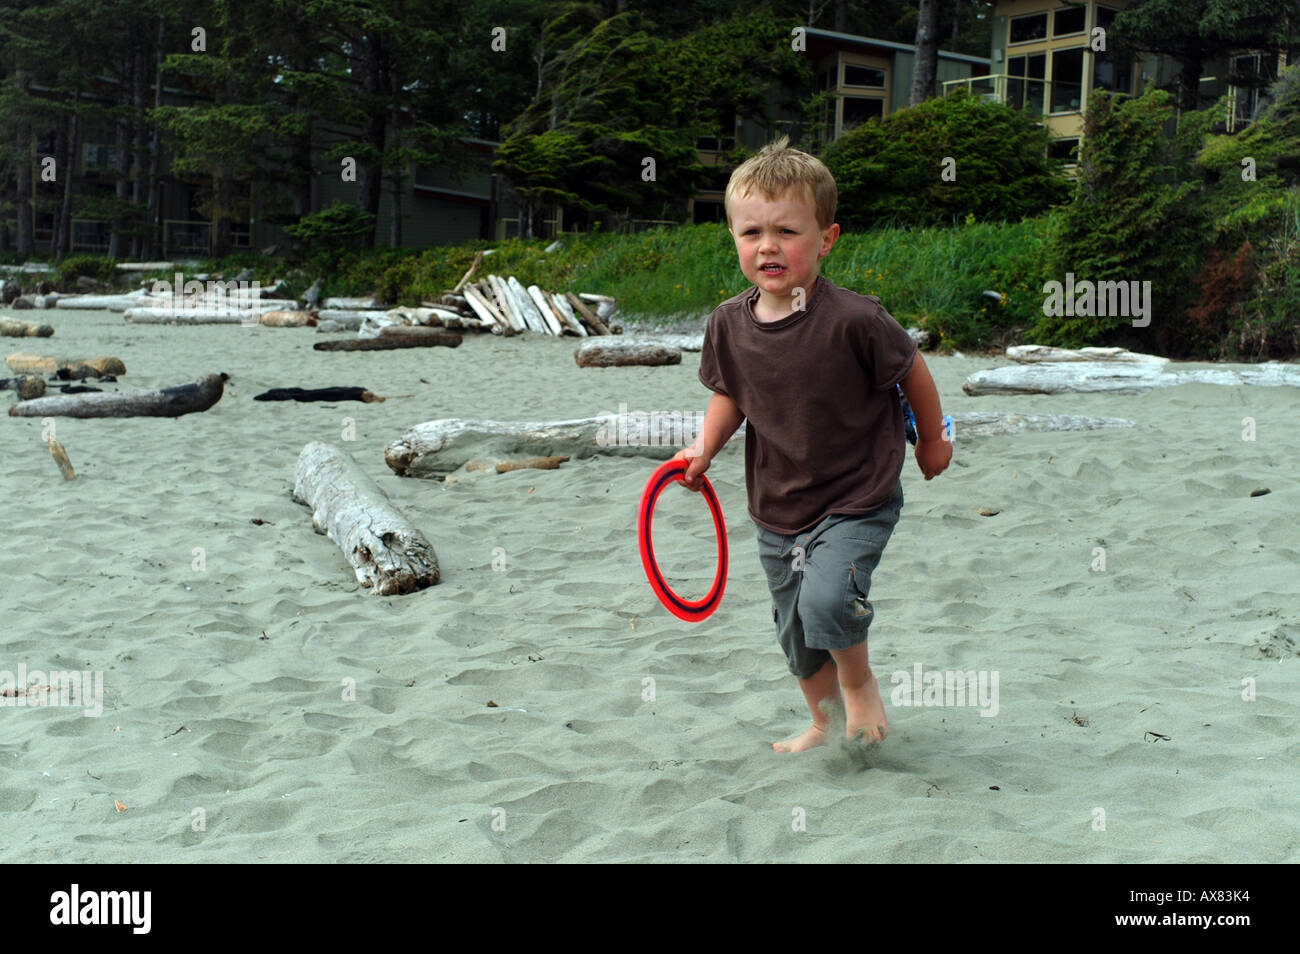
(340, 320)
(203, 315)
(353, 304)
(566, 312)
(993, 424)
(407, 338)
(24, 329)
(61, 458)
(597, 326)
(23, 362)
(388, 553)
(135, 299)
(478, 257)
(536, 463)
(162, 402)
(287, 319)
(436, 448)
(544, 309)
(486, 310)
(602, 353)
(319, 394)
(1070, 377)
(27, 386)
(379, 320)
(506, 304)
(532, 315)
(1027, 354)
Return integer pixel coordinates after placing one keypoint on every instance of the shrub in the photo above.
(1134, 217)
(890, 170)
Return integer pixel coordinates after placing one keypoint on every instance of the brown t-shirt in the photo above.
(824, 427)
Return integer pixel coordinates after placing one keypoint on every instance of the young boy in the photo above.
(812, 368)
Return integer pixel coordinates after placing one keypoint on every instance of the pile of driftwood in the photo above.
(504, 306)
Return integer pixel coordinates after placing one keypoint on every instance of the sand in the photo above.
(229, 734)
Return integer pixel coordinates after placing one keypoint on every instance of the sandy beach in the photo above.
(1145, 712)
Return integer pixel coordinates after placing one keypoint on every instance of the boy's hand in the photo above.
(933, 456)
(699, 464)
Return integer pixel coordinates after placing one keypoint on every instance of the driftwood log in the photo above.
(319, 394)
(1070, 377)
(398, 336)
(28, 386)
(24, 329)
(618, 352)
(535, 463)
(22, 362)
(61, 458)
(580, 306)
(106, 302)
(162, 402)
(287, 319)
(385, 549)
(1032, 354)
(436, 448)
(993, 424)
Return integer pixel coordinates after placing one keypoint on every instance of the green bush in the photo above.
(95, 266)
(890, 171)
(1135, 217)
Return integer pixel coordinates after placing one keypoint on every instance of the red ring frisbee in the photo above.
(671, 472)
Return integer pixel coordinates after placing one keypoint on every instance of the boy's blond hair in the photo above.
(778, 169)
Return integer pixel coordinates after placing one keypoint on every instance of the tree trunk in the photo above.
(24, 237)
(153, 238)
(68, 166)
(393, 339)
(387, 552)
(140, 143)
(163, 402)
(117, 244)
(926, 64)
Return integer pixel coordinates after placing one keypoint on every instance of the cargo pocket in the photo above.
(858, 610)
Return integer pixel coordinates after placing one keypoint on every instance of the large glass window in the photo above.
(1025, 86)
(1067, 80)
(1032, 27)
(1111, 74)
(855, 75)
(1067, 21)
(858, 109)
(1105, 17)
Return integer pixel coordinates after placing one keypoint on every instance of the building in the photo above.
(1048, 58)
(864, 78)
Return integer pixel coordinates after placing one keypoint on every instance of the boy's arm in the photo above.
(720, 422)
(933, 452)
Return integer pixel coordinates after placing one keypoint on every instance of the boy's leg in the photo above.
(864, 710)
(814, 668)
(836, 612)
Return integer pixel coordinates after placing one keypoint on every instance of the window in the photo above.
(858, 109)
(1105, 17)
(1033, 27)
(1111, 74)
(1025, 86)
(1063, 149)
(1067, 80)
(855, 75)
(1067, 21)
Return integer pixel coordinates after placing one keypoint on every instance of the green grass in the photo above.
(933, 277)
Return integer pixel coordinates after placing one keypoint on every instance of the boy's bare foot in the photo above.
(864, 713)
(809, 739)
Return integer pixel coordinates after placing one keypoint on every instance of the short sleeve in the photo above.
(885, 348)
(711, 375)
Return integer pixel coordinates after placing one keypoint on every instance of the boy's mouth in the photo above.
(771, 269)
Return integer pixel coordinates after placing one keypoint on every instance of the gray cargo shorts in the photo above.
(823, 605)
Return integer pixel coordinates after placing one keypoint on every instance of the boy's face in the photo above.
(779, 242)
